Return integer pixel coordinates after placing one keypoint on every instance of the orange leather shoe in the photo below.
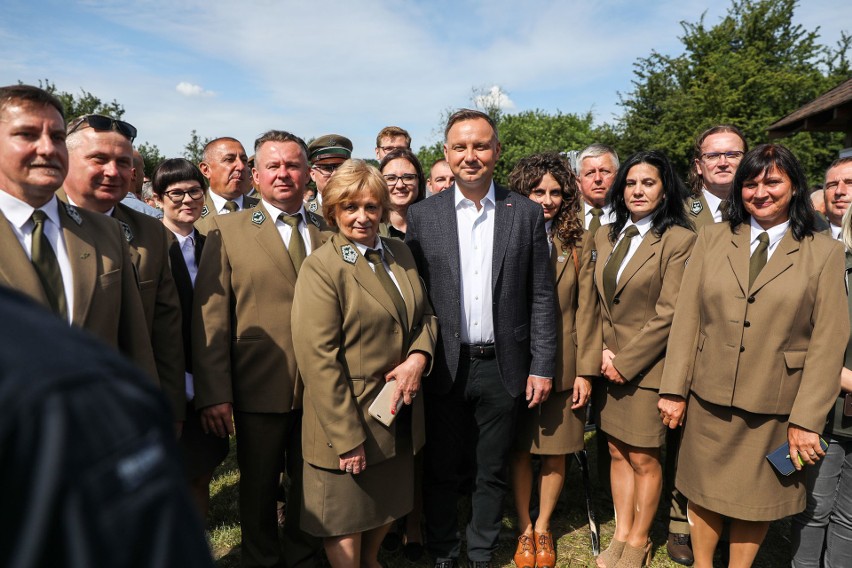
(545, 552)
(525, 553)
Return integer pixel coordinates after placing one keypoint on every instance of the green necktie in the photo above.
(758, 258)
(230, 206)
(375, 257)
(723, 207)
(47, 267)
(610, 272)
(296, 249)
(595, 223)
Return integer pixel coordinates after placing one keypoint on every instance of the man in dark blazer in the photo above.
(225, 165)
(100, 171)
(483, 254)
(244, 363)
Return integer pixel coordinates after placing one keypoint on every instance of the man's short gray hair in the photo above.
(595, 151)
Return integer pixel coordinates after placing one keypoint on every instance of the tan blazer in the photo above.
(776, 349)
(699, 211)
(579, 330)
(637, 327)
(106, 298)
(148, 240)
(242, 341)
(351, 336)
(208, 212)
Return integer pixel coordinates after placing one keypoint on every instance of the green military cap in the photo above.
(330, 146)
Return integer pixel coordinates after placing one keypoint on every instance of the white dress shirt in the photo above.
(713, 204)
(836, 232)
(643, 225)
(775, 233)
(19, 215)
(378, 246)
(219, 203)
(476, 246)
(606, 217)
(285, 230)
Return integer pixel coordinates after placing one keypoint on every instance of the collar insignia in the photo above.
(312, 206)
(128, 232)
(696, 207)
(313, 219)
(251, 206)
(349, 253)
(73, 213)
(258, 217)
(205, 211)
(594, 255)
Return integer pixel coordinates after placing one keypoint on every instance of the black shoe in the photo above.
(446, 564)
(413, 551)
(481, 564)
(679, 550)
(392, 541)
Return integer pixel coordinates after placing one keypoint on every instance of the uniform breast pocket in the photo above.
(109, 278)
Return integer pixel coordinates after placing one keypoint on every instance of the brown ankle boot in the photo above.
(525, 553)
(545, 552)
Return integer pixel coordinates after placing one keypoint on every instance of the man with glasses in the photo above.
(716, 155)
(100, 173)
(325, 154)
(73, 262)
(391, 138)
(225, 165)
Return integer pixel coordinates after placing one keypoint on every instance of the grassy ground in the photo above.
(570, 526)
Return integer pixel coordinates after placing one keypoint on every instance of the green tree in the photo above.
(152, 157)
(752, 68)
(84, 103)
(194, 149)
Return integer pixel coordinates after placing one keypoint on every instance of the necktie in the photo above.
(230, 206)
(595, 223)
(723, 207)
(610, 272)
(296, 249)
(758, 258)
(375, 257)
(47, 267)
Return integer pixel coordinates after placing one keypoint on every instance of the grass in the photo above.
(570, 526)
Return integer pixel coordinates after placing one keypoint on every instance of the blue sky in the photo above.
(239, 68)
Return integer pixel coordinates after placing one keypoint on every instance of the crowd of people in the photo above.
(392, 341)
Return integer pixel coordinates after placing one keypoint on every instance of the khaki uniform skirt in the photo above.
(336, 503)
(722, 464)
(629, 413)
(552, 429)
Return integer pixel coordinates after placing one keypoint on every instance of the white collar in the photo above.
(275, 212)
(490, 196)
(643, 225)
(713, 202)
(19, 212)
(108, 212)
(219, 201)
(775, 233)
(364, 248)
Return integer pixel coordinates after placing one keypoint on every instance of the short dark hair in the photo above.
(408, 155)
(528, 173)
(209, 145)
(469, 114)
(670, 212)
(27, 93)
(175, 170)
(696, 182)
(839, 162)
(393, 132)
(757, 162)
(279, 136)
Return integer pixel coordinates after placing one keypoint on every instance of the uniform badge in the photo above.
(314, 220)
(312, 206)
(128, 232)
(253, 205)
(560, 258)
(696, 207)
(205, 211)
(350, 255)
(258, 217)
(74, 214)
(594, 255)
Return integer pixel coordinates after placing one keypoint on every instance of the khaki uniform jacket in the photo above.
(579, 330)
(148, 240)
(637, 327)
(351, 335)
(106, 296)
(775, 349)
(242, 341)
(208, 212)
(698, 211)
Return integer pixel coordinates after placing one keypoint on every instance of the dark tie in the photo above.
(230, 206)
(723, 207)
(758, 258)
(595, 223)
(296, 248)
(47, 267)
(610, 272)
(375, 257)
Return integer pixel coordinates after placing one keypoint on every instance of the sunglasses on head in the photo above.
(101, 122)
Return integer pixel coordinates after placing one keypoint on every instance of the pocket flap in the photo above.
(795, 359)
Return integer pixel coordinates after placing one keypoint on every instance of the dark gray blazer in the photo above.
(522, 287)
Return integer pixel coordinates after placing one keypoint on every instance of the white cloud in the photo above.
(190, 90)
(494, 97)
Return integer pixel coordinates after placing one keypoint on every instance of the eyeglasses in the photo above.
(177, 195)
(713, 157)
(325, 169)
(101, 122)
(407, 179)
